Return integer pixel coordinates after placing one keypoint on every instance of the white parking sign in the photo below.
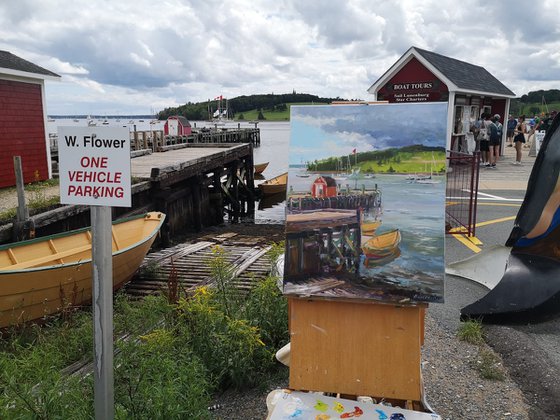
(94, 166)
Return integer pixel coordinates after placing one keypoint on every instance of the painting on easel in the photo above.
(366, 201)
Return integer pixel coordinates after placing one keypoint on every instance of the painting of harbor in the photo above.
(365, 202)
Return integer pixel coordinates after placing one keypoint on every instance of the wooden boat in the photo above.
(274, 185)
(260, 167)
(382, 245)
(368, 228)
(42, 276)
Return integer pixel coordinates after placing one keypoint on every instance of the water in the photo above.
(275, 140)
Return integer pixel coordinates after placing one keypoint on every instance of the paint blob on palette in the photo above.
(289, 405)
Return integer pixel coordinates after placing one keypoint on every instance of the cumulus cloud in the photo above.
(176, 51)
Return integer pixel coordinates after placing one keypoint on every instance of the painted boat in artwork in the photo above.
(260, 167)
(274, 185)
(369, 228)
(382, 245)
(43, 276)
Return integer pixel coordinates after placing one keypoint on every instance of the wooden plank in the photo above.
(355, 348)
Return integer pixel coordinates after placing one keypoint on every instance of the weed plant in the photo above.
(489, 365)
(471, 332)
(170, 358)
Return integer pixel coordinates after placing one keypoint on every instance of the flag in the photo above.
(217, 97)
(354, 151)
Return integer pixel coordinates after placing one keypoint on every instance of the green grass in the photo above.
(471, 332)
(271, 115)
(396, 161)
(489, 365)
(417, 163)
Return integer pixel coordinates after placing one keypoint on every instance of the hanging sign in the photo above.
(94, 166)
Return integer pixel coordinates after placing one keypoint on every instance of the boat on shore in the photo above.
(43, 276)
(275, 185)
(260, 167)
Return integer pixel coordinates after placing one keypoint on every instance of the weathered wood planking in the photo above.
(192, 263)
(193, 158)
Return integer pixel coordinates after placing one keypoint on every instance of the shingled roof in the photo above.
(13, 62)
(465, 76)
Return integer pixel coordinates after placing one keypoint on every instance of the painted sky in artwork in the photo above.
(323, 131)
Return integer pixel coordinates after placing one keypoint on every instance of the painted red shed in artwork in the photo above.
(324, 186)
(177, 126)
(23, 119)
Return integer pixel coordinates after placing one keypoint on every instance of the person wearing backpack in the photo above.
(495, 140)
(483, 139)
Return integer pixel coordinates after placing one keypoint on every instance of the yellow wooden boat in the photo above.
(260, 167)
(382, 245)
(368, 228)
(42, 276)
(275, 185)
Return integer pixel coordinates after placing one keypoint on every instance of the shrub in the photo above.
(230, 348)
(158, 377)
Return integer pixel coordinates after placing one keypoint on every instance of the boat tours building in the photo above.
(23, 119)
(468, 89)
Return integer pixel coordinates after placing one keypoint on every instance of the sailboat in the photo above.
(221, 115)
(428, 179)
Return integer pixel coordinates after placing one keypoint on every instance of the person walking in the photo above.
(519, 139)
(495, 139)
(511, 124)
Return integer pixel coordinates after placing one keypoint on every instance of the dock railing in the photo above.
(461, 193)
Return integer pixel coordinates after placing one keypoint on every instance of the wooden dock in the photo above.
(195, 186)
(153, 141)
(320, 241)
(245, 253)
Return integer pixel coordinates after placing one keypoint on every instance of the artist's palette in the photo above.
(289, 405)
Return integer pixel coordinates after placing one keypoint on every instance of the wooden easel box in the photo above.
(356, 348)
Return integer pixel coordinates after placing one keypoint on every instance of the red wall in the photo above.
(414, 83)
(22, 132)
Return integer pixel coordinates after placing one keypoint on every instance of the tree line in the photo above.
(535, 101)
(264, 102)
(381, 157)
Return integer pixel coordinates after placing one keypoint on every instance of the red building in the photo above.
(177, 126)
(425, 76)
(23, 119)
(323, 186)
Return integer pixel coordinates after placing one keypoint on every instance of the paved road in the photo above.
(531, 351)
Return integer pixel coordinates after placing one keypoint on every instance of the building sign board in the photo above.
(94, 166)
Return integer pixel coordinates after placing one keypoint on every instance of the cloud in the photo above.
(176, 51)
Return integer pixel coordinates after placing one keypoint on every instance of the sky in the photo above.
(139, 57)
(319, 132)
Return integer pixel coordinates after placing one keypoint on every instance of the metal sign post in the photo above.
(95, 170)
(102, 300)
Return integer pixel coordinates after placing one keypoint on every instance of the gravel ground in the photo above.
(453, 387)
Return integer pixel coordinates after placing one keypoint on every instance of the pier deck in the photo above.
(191, 159)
